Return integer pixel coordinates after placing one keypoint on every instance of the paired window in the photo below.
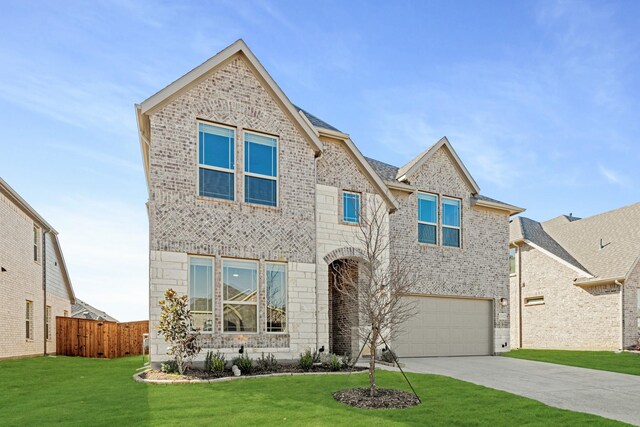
(47, 324)
(216, 165)
(512, 260)
(351, 207)
(428, 220)
(36, 243)
(201, 292)
(29, 320)
(239, 296)
(260, 169)
(276, 297)
(216, 148)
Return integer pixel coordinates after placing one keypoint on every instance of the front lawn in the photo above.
(624, 363)
(76, 391)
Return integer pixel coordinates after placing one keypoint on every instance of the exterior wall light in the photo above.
(3, 269)
(504, 302)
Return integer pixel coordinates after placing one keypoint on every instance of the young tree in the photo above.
(177, 328)
(375, 284)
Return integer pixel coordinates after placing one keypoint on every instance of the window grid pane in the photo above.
(240, 295)
(351, 207)
(428, 208)
(216, 146)
(259, 190)
(427, 233)
(216, 184)
(276, 298)
(451, 237)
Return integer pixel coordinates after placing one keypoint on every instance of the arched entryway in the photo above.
(343, 311)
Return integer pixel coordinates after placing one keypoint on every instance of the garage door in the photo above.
(446, 327)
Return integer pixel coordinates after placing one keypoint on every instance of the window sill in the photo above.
(513, 274)
(259, 206)
(351, 224)
(533, 304)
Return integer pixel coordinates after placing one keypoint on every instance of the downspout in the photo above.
(44, 288)
(617, 282)
(315, 227)
(519, 296)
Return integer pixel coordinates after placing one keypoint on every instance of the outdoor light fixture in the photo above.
(241, 349)
(3, 269)
(503, 302)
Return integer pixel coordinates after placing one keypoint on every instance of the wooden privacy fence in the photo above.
(98, 338)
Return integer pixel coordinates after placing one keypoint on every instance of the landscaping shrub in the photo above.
(267, 363)
(306, 361)
(335, 364)
(169, 367)
(245, 363)
(215, 362)
(346, 362)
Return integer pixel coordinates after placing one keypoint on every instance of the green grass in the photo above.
(624, 363)
(76, 391)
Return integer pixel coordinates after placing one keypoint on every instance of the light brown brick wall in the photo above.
(631, 307)
(572, 317)
(480, 267)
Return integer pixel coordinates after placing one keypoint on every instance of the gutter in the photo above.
(44, 289)
(618, 280)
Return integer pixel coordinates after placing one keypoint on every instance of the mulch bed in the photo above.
(384, 398)
(198, 374)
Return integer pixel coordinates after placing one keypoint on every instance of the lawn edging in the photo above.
(138, 377)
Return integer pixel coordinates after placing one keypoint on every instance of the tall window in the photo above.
(276, 297)
(48, 322)
(216, 147)
(29, 320)
(512, 260)
(451, 222)
(260, 169)
(427, 218)
(351, 207)
(240, 296)
(36, 243)
(201, 292)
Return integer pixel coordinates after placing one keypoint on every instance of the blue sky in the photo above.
(540, 99)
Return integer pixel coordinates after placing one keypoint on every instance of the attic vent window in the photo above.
(539, 300)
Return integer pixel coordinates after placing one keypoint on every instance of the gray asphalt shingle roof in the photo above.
(317, 122)
(604, 245)
(84, 310)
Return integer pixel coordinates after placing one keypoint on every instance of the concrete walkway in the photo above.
(607, 394)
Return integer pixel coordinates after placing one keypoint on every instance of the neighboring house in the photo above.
(254, 203)
(574, 282)
(82, 310)
(34, 281)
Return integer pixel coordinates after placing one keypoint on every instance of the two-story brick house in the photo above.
(252, 204)
(34, 281)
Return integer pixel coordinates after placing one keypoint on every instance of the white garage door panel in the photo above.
(446, 327)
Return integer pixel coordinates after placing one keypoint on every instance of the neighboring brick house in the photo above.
(252, 206)
(34, 281)
(574, 282)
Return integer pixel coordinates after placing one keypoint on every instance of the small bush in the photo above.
(169, 367)
(245, 363)
(267, 363)
(346, 362)
(215, 363)
(306, 361)
(335, 364)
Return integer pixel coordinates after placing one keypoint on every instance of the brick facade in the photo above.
(23, 281)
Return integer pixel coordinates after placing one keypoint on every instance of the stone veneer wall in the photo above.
(183, 223)
(572, 317)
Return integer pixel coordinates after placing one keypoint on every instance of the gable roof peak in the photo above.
(410, 168)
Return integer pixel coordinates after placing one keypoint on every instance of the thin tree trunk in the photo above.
(372, 363)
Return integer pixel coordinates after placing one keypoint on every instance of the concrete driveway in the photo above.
(607, 394)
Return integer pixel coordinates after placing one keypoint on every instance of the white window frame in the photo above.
(37, 239)
(29, 320)
(256, 303)
(436, 224)
(48, 323)
(286, 298)
(257, 175)
(216, 168)
(213, 290)
(355, 193)
(442, 226)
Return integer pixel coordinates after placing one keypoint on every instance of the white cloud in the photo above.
(612, 176)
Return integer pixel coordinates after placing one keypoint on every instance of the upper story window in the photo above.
(216, 147)
(201, 292)
(427, 218)
(260, 169)
(451, 222)
(512, 260)
(351, 207)
(240, 296)
(36, 243)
